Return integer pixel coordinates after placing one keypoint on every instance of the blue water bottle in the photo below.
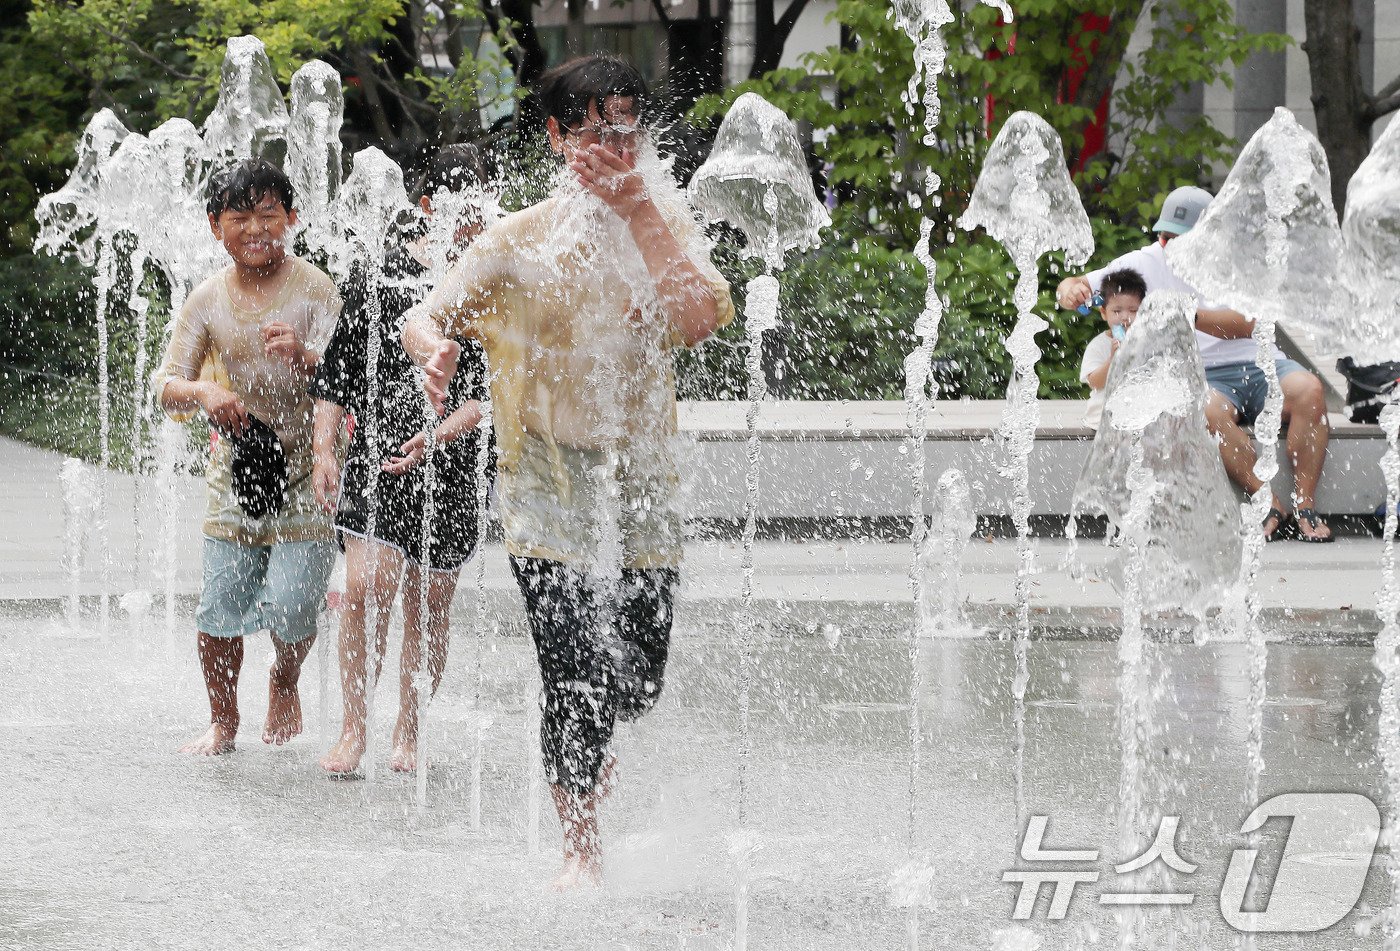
(1085, 308)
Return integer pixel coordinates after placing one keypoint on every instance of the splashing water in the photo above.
(923, 22)
(1025, 200)
(65, 216)
(756, 180)
(1281, 181)
(1371, 231)
(1155, 471)
(250, 118)
(422, 678)
(371, 204)
(314, 153)
(1157, 393)
(941, 556)
(80, 501)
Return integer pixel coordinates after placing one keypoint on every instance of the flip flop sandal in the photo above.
(1283, 520)
(1311, 517)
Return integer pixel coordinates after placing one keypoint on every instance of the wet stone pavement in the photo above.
(114, 840)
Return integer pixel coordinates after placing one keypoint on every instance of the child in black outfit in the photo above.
(379, 552)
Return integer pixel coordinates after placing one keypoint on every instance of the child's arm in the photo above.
(1098, 355)
(435, 353)
(325, 464)
(225, 410)
(179, 386)
(1098, 379)
(454, 427)
(281, 340)
(688, 298)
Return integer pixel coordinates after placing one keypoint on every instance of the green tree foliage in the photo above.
(869, 139)
(41, 107)
(156, 58)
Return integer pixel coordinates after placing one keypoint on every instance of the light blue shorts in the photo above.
(251, 588)
(1243, 384)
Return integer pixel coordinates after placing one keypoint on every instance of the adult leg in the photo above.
(1305, 412)
(578, 711)
(1237, 450)
(441, 586)
(371, 579)
(220, 658)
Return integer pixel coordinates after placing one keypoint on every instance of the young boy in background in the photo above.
(1122, 292)
(242, 350)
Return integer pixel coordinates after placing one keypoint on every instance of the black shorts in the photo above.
(400, 509)
(602, 653)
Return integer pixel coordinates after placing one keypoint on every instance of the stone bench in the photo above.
(833, 460)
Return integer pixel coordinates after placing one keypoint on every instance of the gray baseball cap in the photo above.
(1182, 209)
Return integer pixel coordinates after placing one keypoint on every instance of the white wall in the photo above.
(813, 32)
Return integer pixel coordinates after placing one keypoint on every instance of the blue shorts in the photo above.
(1243, 384)
(251, 588)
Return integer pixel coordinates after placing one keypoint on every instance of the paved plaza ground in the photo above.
(112, 840)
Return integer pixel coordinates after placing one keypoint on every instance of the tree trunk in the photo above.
(1340, 103)
(773, 33)
(374, 102)
(1103, 69)
(574, 38)
(525, 54)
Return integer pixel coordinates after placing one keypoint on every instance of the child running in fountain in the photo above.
(242, 349)
(1122, 292)
(375, 564)
(579, 302)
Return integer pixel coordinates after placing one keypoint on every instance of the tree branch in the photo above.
(127, 42)
(1389, 89)
(1385, 101)
(1384, 107)
(789, 18)
(661, 13)
(1103, 68)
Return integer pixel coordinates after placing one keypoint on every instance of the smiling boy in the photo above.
(242, 350)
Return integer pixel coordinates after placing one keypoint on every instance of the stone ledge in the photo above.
(812, 420)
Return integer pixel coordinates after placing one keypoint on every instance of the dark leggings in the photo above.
(602, 657)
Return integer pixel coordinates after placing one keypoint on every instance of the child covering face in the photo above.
(1121, 294)
(579, 302)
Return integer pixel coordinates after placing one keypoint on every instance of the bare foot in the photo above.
(580, 871)
(216, 741)
(404, 759)
(344, 756)
(283, 714)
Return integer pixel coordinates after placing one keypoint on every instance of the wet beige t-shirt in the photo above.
(583, 389)
(214, 339)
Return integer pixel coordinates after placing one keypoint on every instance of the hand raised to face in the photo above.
(611, 175)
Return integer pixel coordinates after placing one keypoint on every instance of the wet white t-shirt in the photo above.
(1095, 356)
(1151, 263)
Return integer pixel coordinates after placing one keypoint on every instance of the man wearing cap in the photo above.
(1237, 384)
